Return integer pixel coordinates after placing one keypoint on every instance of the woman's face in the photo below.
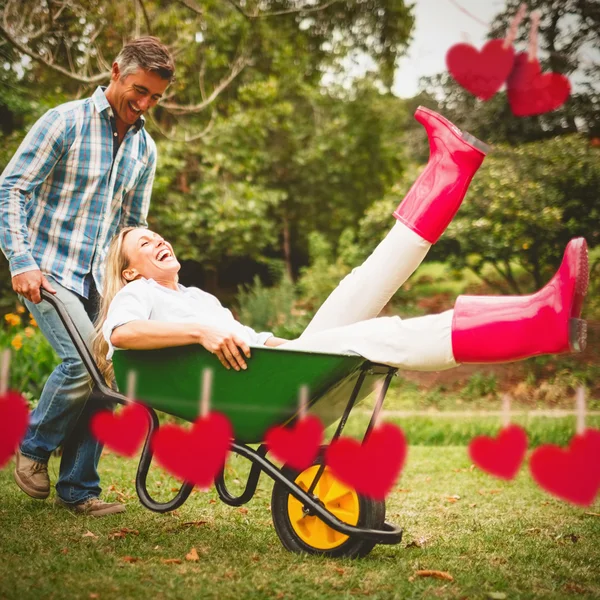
(149, 256)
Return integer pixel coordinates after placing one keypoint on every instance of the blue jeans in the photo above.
(63, 413)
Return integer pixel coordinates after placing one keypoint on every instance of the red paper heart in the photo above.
(196, 455)
(481, 73)
(372, 467)
(501, 456)
(531, 92)
(572, 474)
(122, 432)
(14, 418)
(297, 445)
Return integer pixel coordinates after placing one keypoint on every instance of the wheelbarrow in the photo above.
(312, 511)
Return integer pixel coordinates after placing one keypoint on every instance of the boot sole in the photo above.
(113, 510)
(577, 326)
(464, 136)
(32, 492)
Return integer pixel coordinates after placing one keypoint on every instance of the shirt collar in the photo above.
(102, 104)
(154, 283)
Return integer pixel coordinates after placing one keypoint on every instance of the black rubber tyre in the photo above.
(371, 516)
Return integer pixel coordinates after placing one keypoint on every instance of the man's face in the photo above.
(134, 94)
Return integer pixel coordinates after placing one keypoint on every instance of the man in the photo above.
(84, 171)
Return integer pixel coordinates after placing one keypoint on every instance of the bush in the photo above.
(33, 358)
(272, 309)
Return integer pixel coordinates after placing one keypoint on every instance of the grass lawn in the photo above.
(496, 539)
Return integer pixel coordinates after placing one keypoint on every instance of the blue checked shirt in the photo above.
(65, 193)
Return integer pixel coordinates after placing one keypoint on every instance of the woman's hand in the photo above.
(225, 345)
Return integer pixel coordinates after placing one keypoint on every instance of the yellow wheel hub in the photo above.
(338, 498)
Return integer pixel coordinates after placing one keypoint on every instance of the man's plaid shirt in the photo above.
(65, 193)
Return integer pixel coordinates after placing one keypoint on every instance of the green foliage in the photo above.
(32, 357)
(523, 207)
(272, 309)
(480, 384)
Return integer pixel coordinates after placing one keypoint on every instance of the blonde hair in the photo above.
(116, 262)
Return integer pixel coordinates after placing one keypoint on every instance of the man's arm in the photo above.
(35, 159)
(134, 212)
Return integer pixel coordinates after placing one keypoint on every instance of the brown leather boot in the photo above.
(32, 477)
(94, 507)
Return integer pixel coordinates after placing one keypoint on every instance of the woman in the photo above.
(144, 307)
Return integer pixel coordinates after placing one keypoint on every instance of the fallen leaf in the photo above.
(472, 468)
(170, 561)
(192, 555)
(64, 551)
(243, 510)
(174, 489)
(93, 595)
(194, 523)
(591, 514)
(116, 534)
(127, 530)
(212, 501)
(437, 574)
(255, 557)
(130, 559)
(574, 587)
(89, 534)
(495, 491)
(339, 570)
(112, 488)
(472, 505)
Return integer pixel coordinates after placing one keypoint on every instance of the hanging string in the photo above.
(464, 10)
(207, 376)
(4, 369)
(303, 401)
(580, 409)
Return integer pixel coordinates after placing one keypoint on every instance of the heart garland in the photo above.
(14, 419)
(372, 467)
(124, 431)
(14, 414)
(297, 445)
(501, 456)
(531, 92)
(572, 474)
(196, 455)
(482, 73)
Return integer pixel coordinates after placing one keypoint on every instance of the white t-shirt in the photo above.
(147, 300)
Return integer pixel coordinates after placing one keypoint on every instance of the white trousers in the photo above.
(346, 323)
(419, 344)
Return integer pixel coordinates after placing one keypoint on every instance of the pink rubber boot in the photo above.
(488, 329)
(436, 195)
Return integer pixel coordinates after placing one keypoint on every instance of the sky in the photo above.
(439, 24)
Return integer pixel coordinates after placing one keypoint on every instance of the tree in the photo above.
(523, 207)
(251, 148)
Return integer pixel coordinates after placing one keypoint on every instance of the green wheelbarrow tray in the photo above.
(264, 395)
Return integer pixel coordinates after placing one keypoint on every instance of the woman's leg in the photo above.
(480, 329)
(422, 217)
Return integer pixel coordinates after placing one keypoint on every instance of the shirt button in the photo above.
(115, 134)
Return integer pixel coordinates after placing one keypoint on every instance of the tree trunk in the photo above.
(287, 248)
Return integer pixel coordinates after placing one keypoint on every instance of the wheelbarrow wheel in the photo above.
(300, 532)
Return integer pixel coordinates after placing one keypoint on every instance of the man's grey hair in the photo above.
(147, 53)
